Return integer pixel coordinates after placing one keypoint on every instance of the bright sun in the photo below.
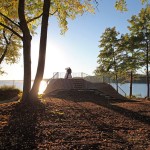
(42, 88)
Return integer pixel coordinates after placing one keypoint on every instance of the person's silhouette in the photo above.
(68, 73)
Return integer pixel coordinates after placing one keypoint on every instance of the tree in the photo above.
(9, 43)
(108, 57)
(140, 27)
(42, 50)
(130, 57)
(9, 47)
(21, 23)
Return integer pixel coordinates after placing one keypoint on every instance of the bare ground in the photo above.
(75, 121)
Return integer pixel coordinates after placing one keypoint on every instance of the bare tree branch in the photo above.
(3, 25)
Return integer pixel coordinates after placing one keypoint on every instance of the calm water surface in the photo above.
(138, 89)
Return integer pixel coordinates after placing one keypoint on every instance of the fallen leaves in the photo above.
(70, 123)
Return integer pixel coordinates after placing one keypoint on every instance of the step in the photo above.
(78, 84)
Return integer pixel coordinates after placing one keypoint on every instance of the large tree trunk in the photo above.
(27, 69)
(42, 50)
(26, 50)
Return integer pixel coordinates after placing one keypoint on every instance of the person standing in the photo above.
(68, 73)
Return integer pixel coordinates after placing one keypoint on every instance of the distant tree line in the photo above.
(123, 55)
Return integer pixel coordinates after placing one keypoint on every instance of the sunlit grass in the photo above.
(9, 92)
(6, 87)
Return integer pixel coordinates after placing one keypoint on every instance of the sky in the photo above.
(78, 47)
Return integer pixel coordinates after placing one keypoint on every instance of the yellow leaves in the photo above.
(79, 7)
(144, 1)
(89, 8)
(9, 8)
(121, 5)
(148, 9)
(70, 9)
(63, 10)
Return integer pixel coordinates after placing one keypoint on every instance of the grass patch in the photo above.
(8, 92)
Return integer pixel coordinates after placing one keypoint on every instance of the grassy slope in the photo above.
(7, 93)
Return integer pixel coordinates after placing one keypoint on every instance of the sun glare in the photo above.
(55, 57)
(42, 88)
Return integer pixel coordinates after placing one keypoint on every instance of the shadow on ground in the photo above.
(20, 133)
(78, 120)
(90, 96)
(86, 120)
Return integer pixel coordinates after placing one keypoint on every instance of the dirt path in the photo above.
(78, 121)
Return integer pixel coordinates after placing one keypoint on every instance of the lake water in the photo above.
(139, 90)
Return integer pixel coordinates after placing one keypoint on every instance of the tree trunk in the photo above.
(147, 70)
(27, 69)
(42, 50)
(131, 80)
(117, 82)
(26, 50)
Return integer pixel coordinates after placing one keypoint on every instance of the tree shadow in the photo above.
(20, 133)
(103, 130)
(90, 96)
(106, 131)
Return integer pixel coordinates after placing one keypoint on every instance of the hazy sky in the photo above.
(78, 48)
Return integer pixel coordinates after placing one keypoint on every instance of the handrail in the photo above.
(52, 77)
(55, 75)
(84, 74)
(122, 90)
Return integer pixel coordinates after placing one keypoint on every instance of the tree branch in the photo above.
(9, 20)
(39, 17)
(34, 18)
(5, 37)
(4, 54)
(3, 25)
(53, 12)
(7, 40)
(5, 49)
